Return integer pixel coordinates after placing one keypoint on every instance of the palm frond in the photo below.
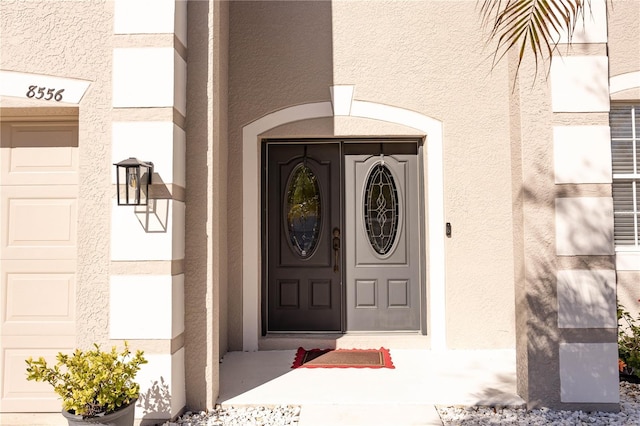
(530, 25)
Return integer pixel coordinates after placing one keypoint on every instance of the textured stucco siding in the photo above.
(63, 40)
(206, 217)
(76, 40)
(624, 37)
(624, 58)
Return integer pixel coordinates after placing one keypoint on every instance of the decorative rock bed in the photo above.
(241, 416)
(468, 416)
(629, 414)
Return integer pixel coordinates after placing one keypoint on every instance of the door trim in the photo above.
(432, 162)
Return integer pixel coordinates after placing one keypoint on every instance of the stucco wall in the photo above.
(64, 40)
(624, 57)
(206, 216)
(280, 55)
(534, 233)
(563, 226)
(405, 54)
(624, 37)
(79, 40)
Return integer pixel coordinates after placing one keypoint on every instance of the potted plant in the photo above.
(96, 387)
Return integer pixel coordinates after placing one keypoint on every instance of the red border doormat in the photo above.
(343, 358)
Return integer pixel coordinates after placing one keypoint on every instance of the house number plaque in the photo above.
(36, 92)
(42, 87)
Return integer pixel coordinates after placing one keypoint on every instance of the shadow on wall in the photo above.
(154, 217)
(564, 275)
(564, 265)
(155, 403)
(565, 278)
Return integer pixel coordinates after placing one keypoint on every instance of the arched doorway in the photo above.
(344, 106)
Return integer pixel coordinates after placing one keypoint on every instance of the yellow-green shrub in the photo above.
(91, 382)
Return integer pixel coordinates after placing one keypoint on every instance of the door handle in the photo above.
(336, 249)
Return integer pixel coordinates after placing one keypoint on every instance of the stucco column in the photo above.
(206, 215)
(565, 278)
(146, 304)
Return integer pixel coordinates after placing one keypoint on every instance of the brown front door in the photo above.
(304, 259)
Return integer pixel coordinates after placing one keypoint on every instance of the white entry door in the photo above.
(382, 221)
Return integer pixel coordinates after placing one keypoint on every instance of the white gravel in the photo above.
(629, 414)
(241, 416)
(468, 416)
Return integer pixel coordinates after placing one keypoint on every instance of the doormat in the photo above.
(343, 358)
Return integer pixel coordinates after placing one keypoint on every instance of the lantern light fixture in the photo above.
(133, 178)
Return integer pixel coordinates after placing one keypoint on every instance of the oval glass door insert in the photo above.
(381, 209)
(303, 207)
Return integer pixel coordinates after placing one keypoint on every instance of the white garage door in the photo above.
(38, 246)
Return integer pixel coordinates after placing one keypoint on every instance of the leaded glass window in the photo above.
(303, 207)
(381, 209)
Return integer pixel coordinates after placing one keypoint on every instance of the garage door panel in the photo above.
(39, 154)
(40, 222)
(38, 298)
(19, 394)
(39, 166)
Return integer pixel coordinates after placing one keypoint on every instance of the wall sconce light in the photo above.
(133, 178)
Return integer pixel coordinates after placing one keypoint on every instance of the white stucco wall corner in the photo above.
(582, 154)
(179, 387)
(579, 84)
(180, 84)
(141, 307)
(179, 156)
(178, 228)
(589, 372)
(177, 306)
(584, 226)
(146, 77)
(590, 27)
(140, 233)
(162, 386)
(151, 17)
(587, 299)
(161, 142)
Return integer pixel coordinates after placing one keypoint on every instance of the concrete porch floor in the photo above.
(405, 395)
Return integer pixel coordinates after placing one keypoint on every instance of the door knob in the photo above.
(336, 249)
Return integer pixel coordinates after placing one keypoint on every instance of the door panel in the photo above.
(303, 208)
(382, 243)
(39, 222)
(39, 154)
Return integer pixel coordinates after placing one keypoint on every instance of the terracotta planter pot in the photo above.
(122, 417)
